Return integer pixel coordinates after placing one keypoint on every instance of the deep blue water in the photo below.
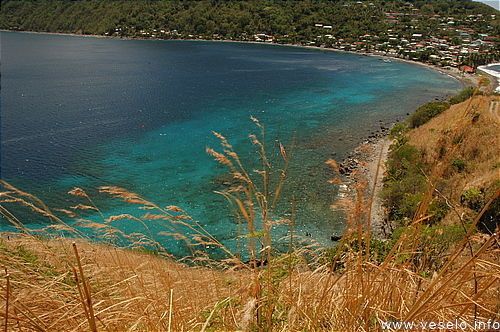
(84, 112)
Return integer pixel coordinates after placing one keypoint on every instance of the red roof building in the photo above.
(467, 69)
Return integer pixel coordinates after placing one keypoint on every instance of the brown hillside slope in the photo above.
(469, 133)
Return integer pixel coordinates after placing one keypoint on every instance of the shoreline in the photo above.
(467, 80)
(496, 75)
(367, 162)
(376, 173)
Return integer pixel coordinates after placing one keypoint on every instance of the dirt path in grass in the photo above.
(494, 109)
(375, 172)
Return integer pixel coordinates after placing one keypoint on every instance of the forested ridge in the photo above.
(379, 26)
(230, 19)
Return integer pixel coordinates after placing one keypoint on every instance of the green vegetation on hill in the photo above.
(462, 145)
(447, 32)
(426, 112)
(463, 96)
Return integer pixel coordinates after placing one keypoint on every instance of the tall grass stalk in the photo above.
(86, 294)
(255, 202)
(7, 298)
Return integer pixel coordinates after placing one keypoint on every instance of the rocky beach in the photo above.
(369, 159)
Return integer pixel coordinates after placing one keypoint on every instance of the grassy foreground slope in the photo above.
(53, 284)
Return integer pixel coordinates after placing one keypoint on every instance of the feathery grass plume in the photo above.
(80, 192)
(254, 201)
(13, 195)
(172, 218)
(334, 165)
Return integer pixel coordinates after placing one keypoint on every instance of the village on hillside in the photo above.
(451, 45)
(411, 33)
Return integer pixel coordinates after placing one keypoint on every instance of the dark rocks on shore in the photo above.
(352, 162)
(348, 166)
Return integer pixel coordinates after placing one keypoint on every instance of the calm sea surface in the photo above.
(85, 112)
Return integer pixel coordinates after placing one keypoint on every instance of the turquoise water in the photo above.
(85, 112)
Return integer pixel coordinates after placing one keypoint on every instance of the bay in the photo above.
(85, 112)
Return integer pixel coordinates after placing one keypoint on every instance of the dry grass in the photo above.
(52, 284)
(136, 291)
(478, 135)
(129, 290)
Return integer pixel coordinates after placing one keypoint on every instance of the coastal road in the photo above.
(494, 109)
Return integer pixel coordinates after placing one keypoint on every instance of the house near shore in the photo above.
(467, 69)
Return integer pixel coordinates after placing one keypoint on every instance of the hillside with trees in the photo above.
(446, 32)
